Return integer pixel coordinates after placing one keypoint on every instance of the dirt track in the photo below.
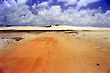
(54, 52)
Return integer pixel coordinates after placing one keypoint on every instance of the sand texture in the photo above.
(55, 52)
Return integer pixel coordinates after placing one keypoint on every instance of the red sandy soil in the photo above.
(56, 53)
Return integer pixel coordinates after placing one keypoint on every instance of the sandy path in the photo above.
(53, 52)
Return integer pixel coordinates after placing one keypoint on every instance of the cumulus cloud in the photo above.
(78, 3)
(85, 2)
(42, 14)
(9, 3)
(21, 1)
(70, 2)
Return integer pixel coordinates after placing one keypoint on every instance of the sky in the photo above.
(94, 13)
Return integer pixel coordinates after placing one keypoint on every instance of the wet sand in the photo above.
(59, 52)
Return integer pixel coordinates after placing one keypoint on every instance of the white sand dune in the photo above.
(52, 28)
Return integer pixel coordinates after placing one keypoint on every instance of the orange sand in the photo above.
(55, 53)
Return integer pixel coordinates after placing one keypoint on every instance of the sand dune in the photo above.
(53, 28)
(59, 52)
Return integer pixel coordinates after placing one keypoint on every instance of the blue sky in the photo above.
(65, 12)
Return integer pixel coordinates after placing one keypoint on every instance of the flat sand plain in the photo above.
(67, 51)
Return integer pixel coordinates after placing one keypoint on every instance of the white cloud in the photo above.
(70, 2)
(44, 15)
(79, 3)
(6, 3)
(43, 4)
(11, 2)
(85, 2)
(21, 1)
